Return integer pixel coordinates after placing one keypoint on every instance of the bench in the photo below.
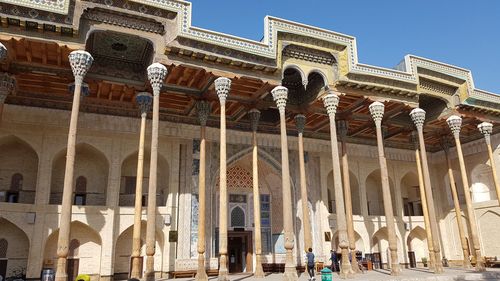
(186, 273)
(491, 261)
(212, 272)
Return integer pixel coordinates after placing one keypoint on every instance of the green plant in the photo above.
(424, 260)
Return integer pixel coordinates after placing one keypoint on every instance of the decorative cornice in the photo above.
(406, 71)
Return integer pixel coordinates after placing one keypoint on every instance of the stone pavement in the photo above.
(417, 274)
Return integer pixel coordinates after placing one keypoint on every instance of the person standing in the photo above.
(310, 264)
(333, 258)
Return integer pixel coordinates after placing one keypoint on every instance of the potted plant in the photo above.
(424, 261)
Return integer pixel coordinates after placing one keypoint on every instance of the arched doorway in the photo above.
(14, 247)
(374, 194)
(417, 246)
(410, 193)
(129, 178)
(123, 251)
(241, 213)
(18, 168)
(380, 248)
(84, 256)
(355, 198)
(90, 176)
(482, 188)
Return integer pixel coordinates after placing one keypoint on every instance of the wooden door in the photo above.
(72, 269)
(3, 269)
(377, 260)
(411, 257)
(235, 254)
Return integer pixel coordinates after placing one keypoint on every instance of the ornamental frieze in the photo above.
(439, 88)
(123, 20)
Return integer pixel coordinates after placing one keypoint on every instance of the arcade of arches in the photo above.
(300, 85)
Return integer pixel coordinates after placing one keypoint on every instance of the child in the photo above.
(310, 263)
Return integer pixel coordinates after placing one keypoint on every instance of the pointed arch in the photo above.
(410, 194)
(129, 178)
(14, 246)
(123, 251)
(482, 185)
(296, 68)
(238, 217)
(19, 169)
(82, 237)
(374, 194)
(91, 164)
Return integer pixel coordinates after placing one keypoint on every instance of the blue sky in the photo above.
(463, 33)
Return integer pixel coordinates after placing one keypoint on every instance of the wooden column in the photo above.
(418, 117)
(377, 112)
(156, 75)
(80, 62)
(455, 123)
(144, 101)
(425, 210)
(222, 86)
(486, 129)
(7, 84)
(456, 202)
(331, 101)
(254, 116)
(300, 121)
(280, 96)
(343, 126)
(203, 109)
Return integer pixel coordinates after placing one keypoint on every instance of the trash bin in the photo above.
(82, 277)
(47, 274)
(326, 274)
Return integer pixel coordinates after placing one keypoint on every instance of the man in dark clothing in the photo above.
(333, 258)
(310, 263)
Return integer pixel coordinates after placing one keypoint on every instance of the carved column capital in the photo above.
(254, 116)
(300, 122)
(156, 75)
(7, 85)
(280, 96)
(455, 124)
(222, 86)
(331, 101)
(203, 109)
(342, 128)
(486, 129)
(80, 62)
(377, 112)
(3, 52)
(418, 117)
(144, 100)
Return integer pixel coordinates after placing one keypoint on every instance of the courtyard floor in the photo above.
(450, 274)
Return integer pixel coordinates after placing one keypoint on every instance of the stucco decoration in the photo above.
(55, 6)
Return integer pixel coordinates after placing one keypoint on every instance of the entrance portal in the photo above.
(240, 251)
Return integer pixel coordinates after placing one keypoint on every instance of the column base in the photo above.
(346, 271)
(395, 269)
(354, 262)
(136, 268)
(290, 274)
(223, 271)
(467, 264)
(150, 270)
(201, 274)
(259, 271)
(480, 267)
(61, 274)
